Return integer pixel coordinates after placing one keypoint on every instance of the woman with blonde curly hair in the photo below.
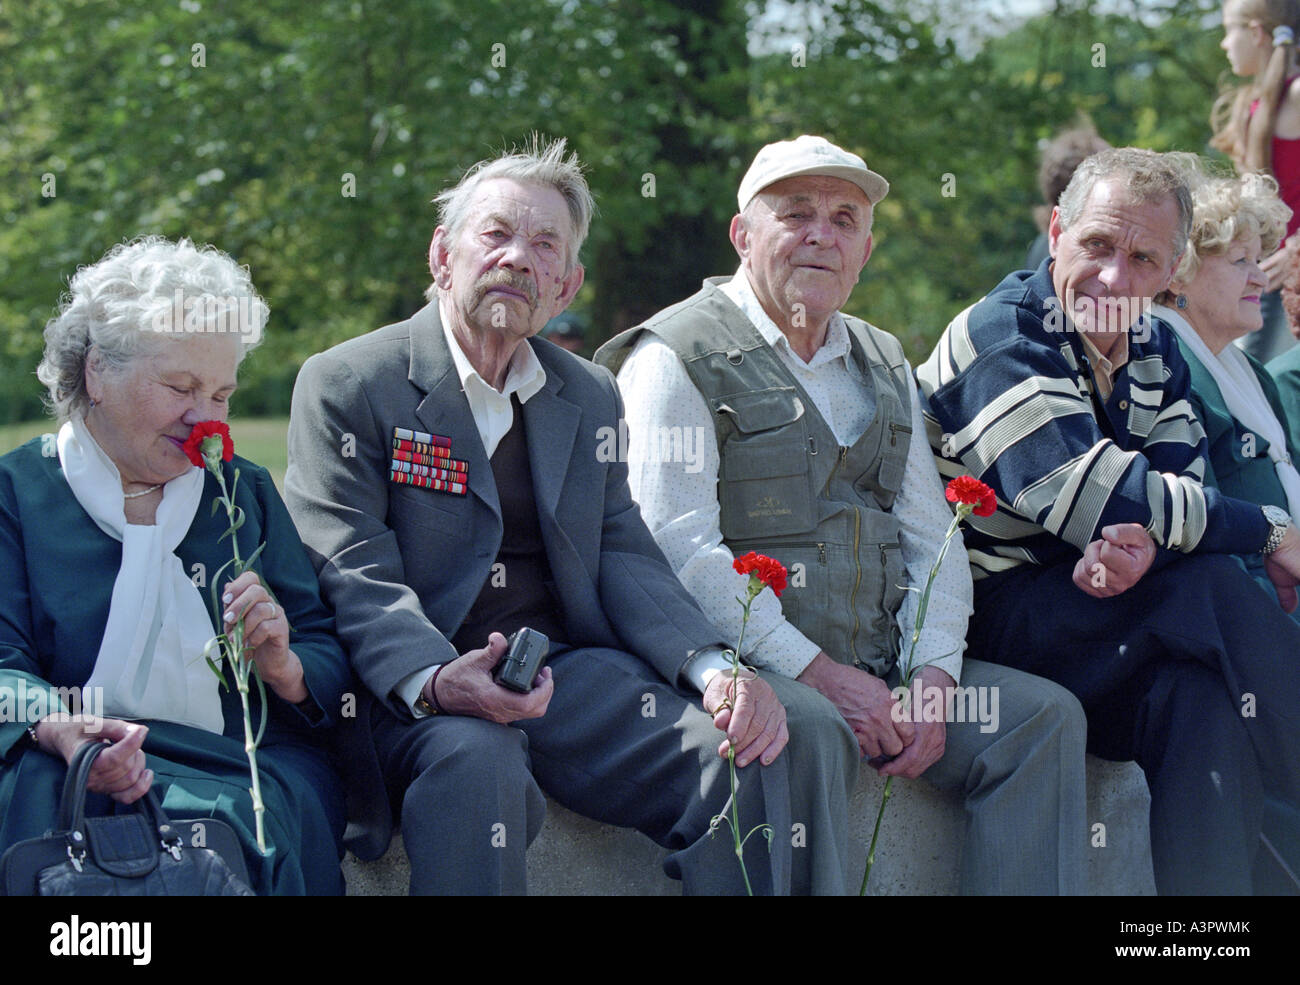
(1213, 301)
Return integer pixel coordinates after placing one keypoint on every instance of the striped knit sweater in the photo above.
(1009, 397)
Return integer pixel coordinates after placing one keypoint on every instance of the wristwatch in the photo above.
(1278, 521)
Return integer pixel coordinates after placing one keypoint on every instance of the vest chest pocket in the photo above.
(886, 477)
(764, 484)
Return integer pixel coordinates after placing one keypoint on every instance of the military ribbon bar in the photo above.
(429, 470)
(427, 482)
(420, 438)
(422, 458)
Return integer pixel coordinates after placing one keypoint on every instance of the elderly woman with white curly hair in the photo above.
(108, 537)
(1213, 301)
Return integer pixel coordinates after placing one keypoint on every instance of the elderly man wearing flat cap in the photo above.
(801, 421)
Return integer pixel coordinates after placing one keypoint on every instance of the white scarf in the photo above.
(1245, 400)
(150, 663)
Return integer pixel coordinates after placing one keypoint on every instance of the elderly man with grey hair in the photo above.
(802, 420)
(1108, 566)
(448, 478)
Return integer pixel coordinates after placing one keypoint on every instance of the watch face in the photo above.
(1276, 516)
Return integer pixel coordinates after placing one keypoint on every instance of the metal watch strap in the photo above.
(1278, 521)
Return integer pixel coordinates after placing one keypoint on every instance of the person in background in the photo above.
(1257, 125)
(1285, 369)
(1060, 157)
(568, 331)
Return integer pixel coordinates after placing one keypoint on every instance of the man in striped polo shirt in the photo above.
(1108, 566)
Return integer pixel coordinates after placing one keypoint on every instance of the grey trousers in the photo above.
(622, 746)
(1023, 783)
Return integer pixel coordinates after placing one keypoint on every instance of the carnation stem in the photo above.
(233, 649)
(908, 672)
(731, 751)
(875, 833)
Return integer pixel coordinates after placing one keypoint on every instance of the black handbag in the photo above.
(143, 853)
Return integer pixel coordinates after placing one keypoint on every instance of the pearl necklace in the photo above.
(142, 492)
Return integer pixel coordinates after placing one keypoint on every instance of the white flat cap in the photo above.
(808, 155)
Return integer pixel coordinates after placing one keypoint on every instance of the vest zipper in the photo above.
(857, 580)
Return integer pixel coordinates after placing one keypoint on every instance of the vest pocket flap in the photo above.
(765, 456)
(760, 410)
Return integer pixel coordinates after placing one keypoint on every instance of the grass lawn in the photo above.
(259, 439)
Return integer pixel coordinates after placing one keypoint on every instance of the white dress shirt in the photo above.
(679, 499)
(491, 407)
(493, 416)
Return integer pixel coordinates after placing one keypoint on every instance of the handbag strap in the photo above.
(72, 806)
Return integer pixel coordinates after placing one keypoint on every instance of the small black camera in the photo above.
(525, 656)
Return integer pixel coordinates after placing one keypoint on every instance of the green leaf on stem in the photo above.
(261, 691)
(214, 643)
(215, 586)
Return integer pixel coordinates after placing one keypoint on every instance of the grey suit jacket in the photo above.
(402, 565)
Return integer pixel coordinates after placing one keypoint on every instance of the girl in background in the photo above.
(1258, 125)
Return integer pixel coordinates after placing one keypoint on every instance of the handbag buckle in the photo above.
(76, 859)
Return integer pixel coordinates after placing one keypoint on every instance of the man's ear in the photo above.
(739, 236)
(440, 258)
(866, 255)
(569, 288)
(1173, 269)
(1054, 230)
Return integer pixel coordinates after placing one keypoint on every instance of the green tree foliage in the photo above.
(307, 139)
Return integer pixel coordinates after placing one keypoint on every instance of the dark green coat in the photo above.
(57, 570)
(1230, 467)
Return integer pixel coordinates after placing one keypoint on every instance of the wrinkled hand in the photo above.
(266, 634)
(754, 724)
(927, 747)
(120, 770)
(866, 703)
(1283, 569)
(466, 687)
(1116, 562)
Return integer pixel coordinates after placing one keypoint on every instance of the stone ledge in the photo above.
(919, 841)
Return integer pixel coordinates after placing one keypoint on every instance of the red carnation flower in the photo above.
(969, 490)
(767, 570)
(203, 441)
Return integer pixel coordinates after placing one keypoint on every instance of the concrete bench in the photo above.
(919, 841)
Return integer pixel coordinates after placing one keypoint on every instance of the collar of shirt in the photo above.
(1104, 368)
(489, 406)
(836, 345)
